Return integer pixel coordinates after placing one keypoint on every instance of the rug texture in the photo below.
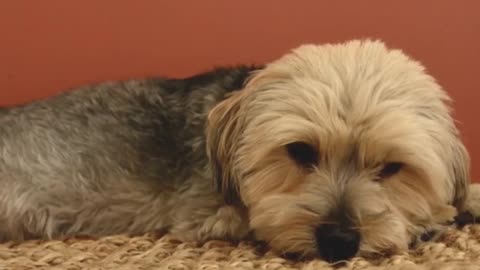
(458, 249)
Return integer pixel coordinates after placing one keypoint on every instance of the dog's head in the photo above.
(337, 149)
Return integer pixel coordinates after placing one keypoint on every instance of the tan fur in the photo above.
(360, 105)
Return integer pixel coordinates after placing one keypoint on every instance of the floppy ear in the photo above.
(460, 173)
(224, 127)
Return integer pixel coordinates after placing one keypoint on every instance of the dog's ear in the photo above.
(460, 173)
(224, 127)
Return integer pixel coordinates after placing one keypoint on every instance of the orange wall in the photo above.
(50, 45)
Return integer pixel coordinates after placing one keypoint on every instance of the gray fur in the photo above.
(115, 157)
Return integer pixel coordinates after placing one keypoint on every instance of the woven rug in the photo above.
(458, 249)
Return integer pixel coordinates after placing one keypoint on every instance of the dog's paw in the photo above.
(444, 214)
(431, 233)
(227, 224)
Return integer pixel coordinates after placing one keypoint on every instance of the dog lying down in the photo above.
(337, 150)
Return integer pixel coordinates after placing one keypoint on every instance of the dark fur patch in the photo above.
(464, 218)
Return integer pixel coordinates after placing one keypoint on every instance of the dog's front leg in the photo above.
(227, 223)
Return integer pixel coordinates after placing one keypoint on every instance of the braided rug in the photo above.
(458, 249)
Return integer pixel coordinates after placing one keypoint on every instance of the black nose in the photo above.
(336, 243)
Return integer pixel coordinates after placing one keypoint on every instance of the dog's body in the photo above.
(331, 149)
(119, 157)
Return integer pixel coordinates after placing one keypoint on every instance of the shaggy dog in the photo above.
(334, 150)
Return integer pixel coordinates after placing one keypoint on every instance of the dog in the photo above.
(333, 150)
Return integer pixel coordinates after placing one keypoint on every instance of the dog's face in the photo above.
(339, 150)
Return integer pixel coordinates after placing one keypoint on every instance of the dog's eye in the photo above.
(303, 154)
(390, 169)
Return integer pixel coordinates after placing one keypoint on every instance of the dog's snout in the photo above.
(336, 243)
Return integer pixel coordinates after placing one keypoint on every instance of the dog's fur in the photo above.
(352, 134)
